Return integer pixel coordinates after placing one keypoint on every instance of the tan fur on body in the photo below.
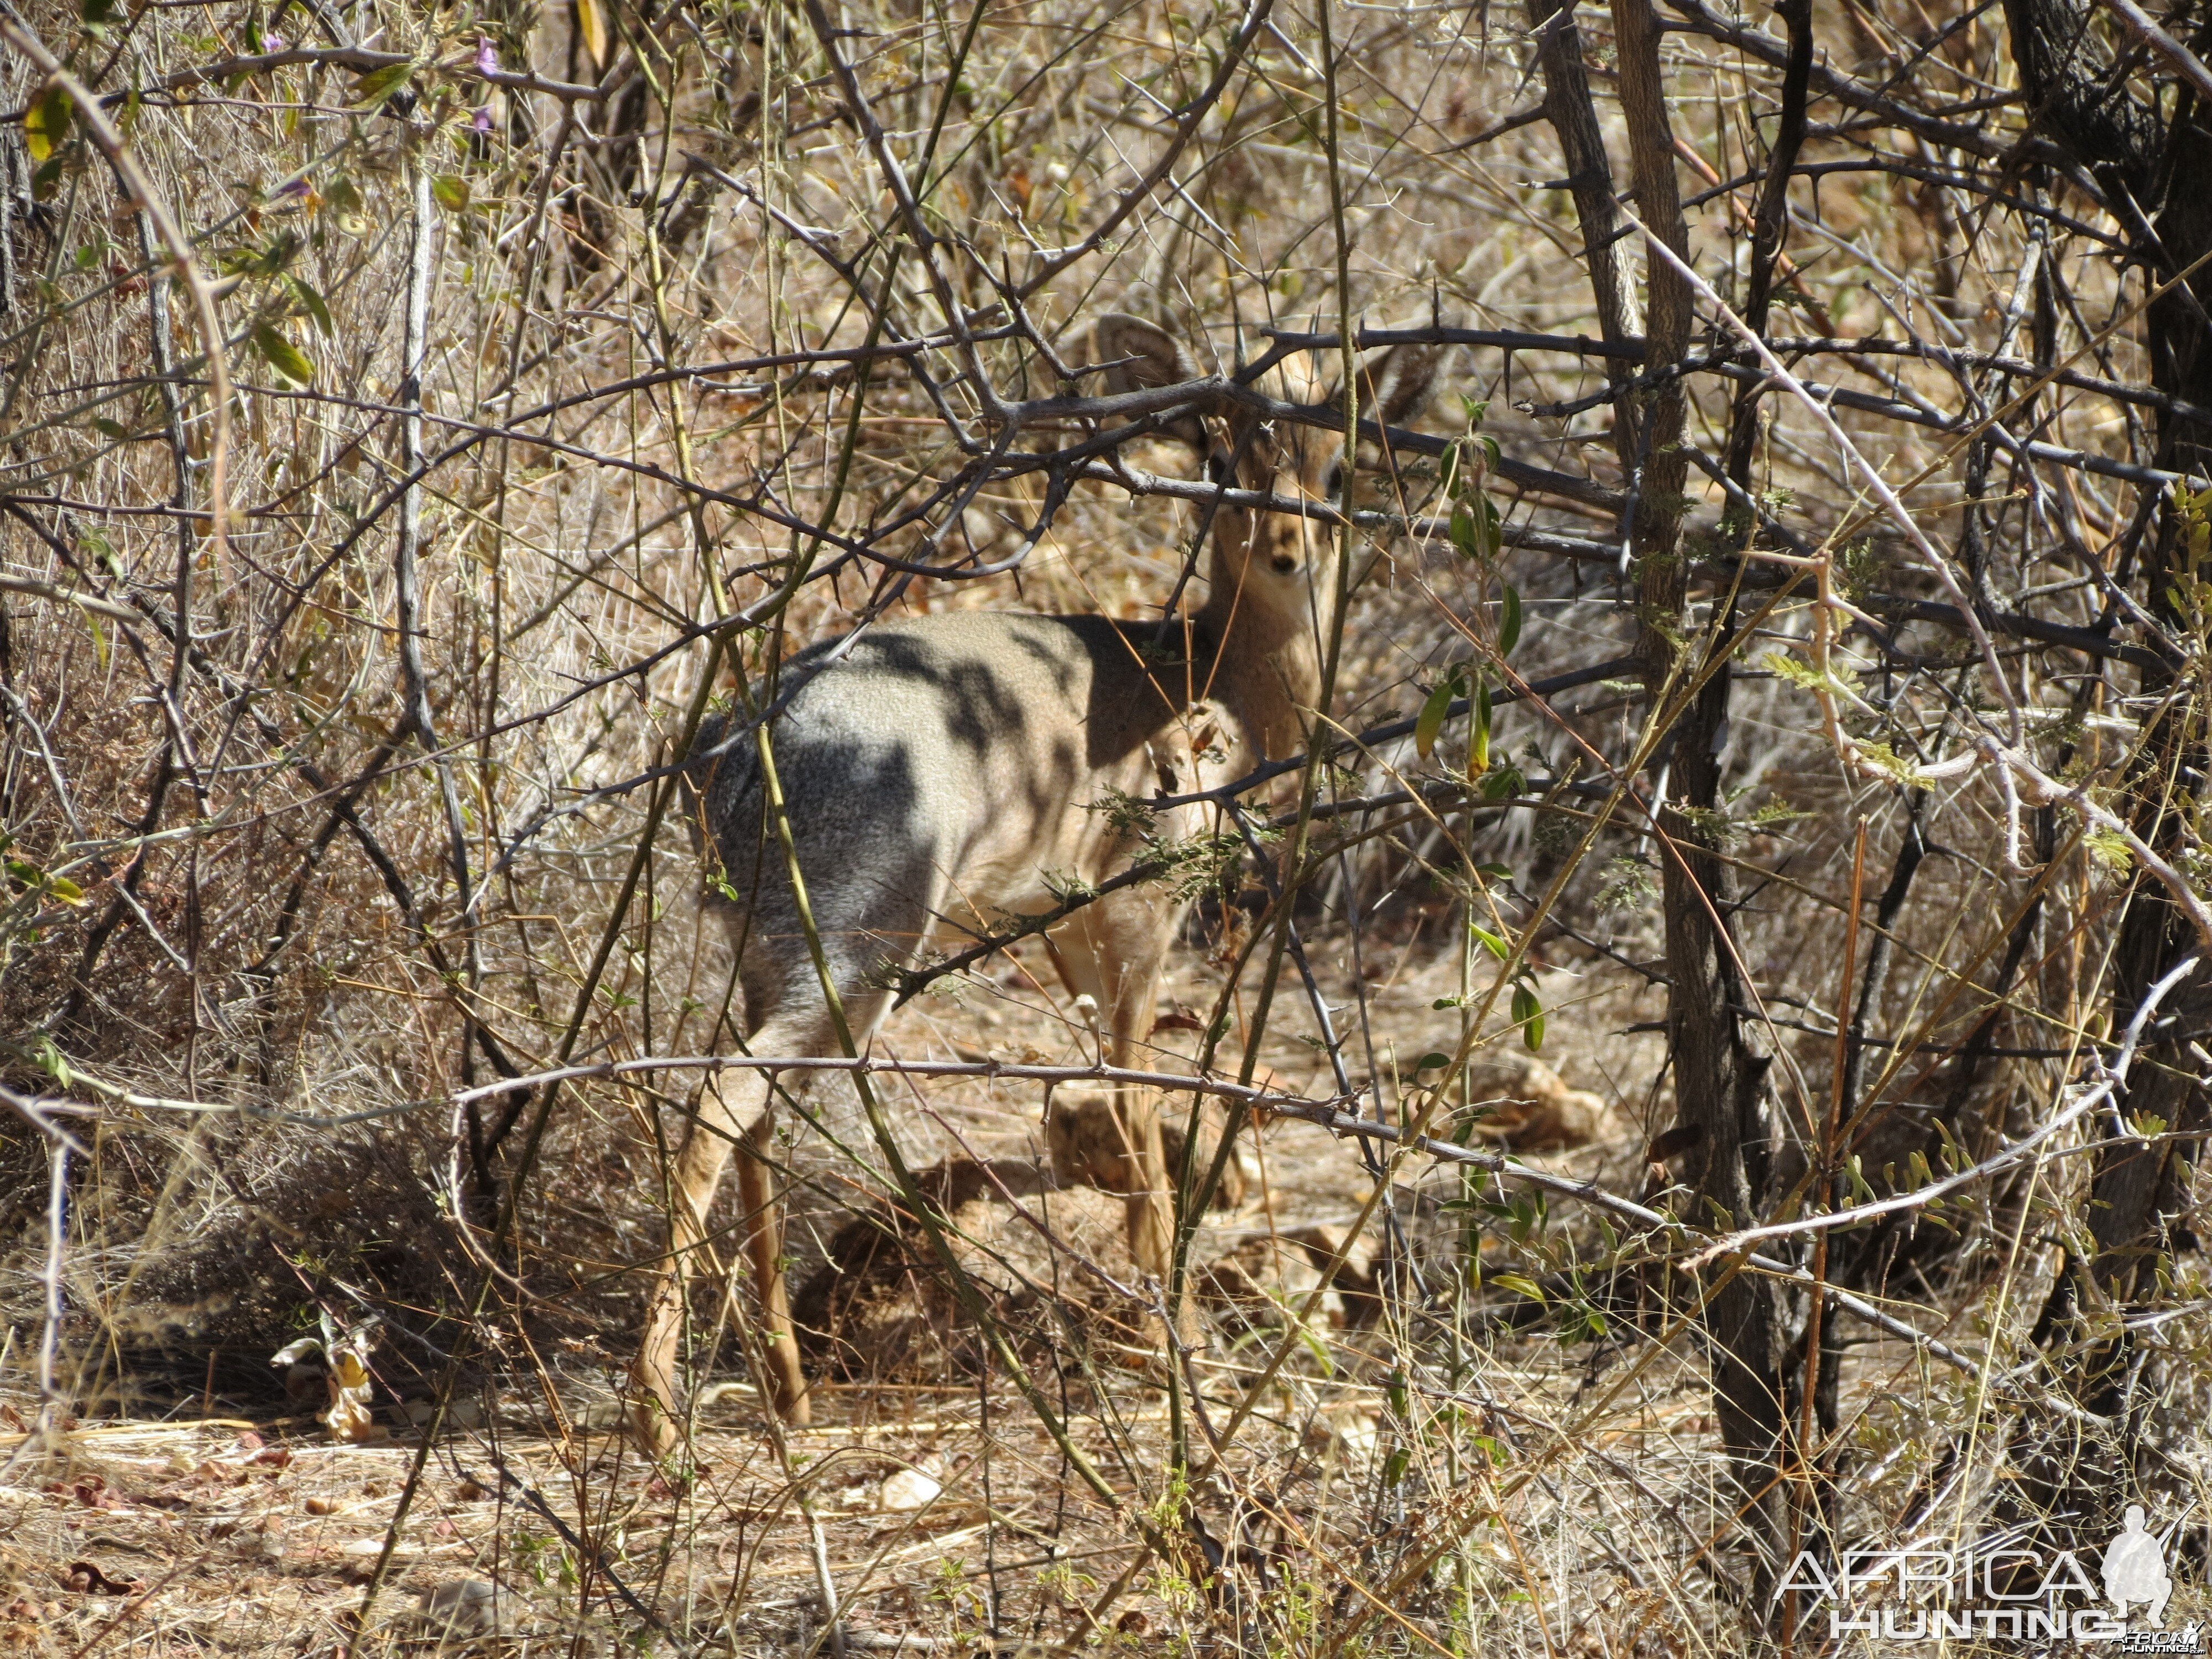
(942, 773)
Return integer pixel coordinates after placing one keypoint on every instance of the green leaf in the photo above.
(1431, 1062)
(1433, 711)
(1491, 942)
(313, 304)
(47, 123)
(1478, 737)
(451, 191)
(370, 92)
(1508, 622)
(109, 429)
(1464, 535)
(283, 356)
(57, 887)
(50, 1059)
(1529, 1015)
(1520, 1284)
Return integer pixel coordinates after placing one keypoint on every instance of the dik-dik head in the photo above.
(1272, 565)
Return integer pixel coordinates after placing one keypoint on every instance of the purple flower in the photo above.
(487, 56)
(275, 43)
(482, 122)
(291, 191)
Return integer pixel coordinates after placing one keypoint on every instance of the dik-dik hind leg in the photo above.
(735, 1107)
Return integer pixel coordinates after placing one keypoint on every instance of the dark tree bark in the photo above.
(1573, 119)
(1753, 1327)
(2138, 1190)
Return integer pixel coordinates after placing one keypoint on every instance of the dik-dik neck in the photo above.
(1266, 670)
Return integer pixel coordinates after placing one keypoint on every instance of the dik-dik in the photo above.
(942, 773)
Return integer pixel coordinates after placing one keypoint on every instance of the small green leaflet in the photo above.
(51, 1061)
(1432, 1062)
(1496, 947)
(283, 356)
(1519, 1285)
(60, 887)
(1529, 1015)
(1508, 621)
(373, 88)
(47, 123)
(1474, 528)
(1434, 711)
(451, 191)
(312, 303)
(1463, 536)
(1478, 744)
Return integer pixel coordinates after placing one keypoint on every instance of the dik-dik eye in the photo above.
(1332, 483)
(1218, 469)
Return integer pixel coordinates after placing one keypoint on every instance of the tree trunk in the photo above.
(2138, 1187)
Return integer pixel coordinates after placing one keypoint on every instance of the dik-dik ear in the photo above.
(1395, 388)
(1400, 381)
(1138, 355)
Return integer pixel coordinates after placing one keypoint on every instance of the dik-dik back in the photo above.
(942, 771)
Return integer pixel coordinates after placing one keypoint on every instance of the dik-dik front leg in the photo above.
(1113, 953)
(734, 1108)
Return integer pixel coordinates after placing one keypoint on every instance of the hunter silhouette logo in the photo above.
(2135, 1568)
(1998, 1588)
